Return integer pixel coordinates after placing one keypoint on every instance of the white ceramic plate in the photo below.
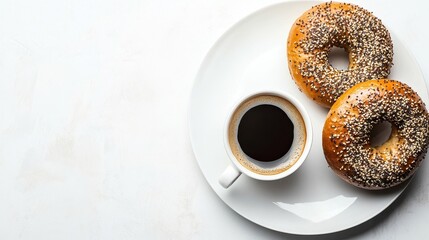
(252, 56)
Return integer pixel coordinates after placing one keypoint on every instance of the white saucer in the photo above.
(251, 56)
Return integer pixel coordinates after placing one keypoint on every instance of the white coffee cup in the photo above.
(273, 170)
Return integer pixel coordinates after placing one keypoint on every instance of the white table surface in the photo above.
(94, 141)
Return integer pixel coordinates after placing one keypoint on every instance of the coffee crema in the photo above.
(267, 134)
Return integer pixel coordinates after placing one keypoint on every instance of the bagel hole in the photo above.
(380, 133)
(338, 58)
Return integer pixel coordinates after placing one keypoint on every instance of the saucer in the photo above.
(251, 56)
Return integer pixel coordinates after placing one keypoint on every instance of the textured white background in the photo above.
(93, 121)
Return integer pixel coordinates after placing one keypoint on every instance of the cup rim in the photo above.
(308, 129)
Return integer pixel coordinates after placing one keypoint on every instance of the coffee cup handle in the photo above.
(229, 176)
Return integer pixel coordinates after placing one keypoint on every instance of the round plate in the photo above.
(252, 56)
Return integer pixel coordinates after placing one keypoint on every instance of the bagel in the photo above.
(366, 40)
(346, 134)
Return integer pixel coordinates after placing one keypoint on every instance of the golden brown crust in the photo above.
(347, 129)
(337, 24)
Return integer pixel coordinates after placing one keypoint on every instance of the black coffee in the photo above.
(265, 133)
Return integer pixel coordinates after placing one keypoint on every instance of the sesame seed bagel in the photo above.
(346, 134)
(358, 31)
